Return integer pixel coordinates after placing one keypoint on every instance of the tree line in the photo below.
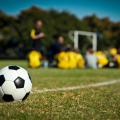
(15, 41)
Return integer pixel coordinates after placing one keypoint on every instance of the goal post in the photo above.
(74, 35)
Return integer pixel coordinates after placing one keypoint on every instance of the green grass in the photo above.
(101, 103)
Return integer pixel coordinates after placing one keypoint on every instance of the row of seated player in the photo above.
(69, 58)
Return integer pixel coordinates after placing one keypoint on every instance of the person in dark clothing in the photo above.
(37, 37)
(56, 47)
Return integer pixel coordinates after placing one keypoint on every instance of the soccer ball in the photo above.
(15, 84)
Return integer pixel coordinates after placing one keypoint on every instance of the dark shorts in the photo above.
(39, 46)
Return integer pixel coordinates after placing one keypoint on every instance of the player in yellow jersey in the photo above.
(114, 58)
(37, 37)
(102, 59)
(62, 59)
(79, 59)
(34, 58)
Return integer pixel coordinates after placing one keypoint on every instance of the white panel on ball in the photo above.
(8, 87)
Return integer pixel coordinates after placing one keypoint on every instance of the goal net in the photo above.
(82, 38)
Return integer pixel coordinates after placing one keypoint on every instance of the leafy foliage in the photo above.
(15, 30)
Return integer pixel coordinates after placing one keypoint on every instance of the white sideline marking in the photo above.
(76, 87)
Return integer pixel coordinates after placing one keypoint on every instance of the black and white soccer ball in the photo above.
(15, 83)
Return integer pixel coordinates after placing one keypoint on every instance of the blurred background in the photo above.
(58, 16)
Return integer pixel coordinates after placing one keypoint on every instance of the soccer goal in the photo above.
(74, 35)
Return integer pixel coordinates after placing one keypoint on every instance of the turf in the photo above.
(101, 103)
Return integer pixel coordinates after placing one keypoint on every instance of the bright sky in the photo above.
(81, 8)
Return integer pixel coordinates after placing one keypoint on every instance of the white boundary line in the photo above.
(106, 83)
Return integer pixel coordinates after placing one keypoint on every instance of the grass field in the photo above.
(95, 103)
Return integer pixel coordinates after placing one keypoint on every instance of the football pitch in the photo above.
(67, 95)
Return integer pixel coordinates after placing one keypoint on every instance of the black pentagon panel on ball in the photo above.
(8, 98)
(2, 80)
(19, 82)
(25, 97)
(13, 67)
